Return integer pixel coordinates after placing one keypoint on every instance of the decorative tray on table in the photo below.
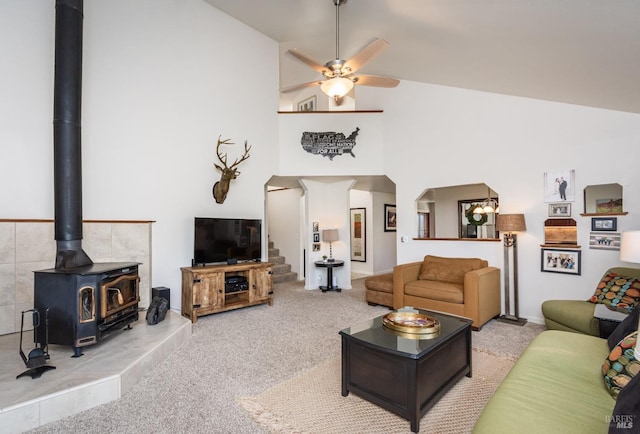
(413, 323)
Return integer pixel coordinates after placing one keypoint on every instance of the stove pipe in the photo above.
(67, 155)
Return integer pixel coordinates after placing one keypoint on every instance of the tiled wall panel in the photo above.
(27, 246)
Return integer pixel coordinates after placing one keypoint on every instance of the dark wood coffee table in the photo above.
(405, 375)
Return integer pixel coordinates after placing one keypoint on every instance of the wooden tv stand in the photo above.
(203, 288)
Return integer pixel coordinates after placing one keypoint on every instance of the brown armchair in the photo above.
(461, 286)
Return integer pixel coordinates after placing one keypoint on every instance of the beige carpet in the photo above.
(312, 403)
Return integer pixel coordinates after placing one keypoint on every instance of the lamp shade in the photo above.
(330, 235)
(337, 87)
(630, 247)
(510, 223)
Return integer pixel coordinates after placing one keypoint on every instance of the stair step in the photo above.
(274, 252)
(276, 259)
(284, 277)
(281, 268)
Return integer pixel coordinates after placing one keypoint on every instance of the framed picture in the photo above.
(608, 206)
(307, 105)
(316, 227)
(604, 240)
(316, 237)
(559, 210)
(604, 224)
(560, 261)
(560, 185)
(316, 247)
(389, 218)
(358, 234)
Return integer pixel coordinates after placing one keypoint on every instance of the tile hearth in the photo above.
(104, 373)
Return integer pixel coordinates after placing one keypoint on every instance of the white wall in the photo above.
(283, 225)
(162, 80)
(368, 156)
(328, 204)
(385, 253)
(448, 136)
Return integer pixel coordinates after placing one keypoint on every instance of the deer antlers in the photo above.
(223, 157)
(221, 188)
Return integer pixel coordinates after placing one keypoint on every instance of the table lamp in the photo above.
(507, 224)
(630, 252)
(329, 236)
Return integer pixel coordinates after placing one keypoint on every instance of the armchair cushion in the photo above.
(431, 289)
(448, 270)
(618, 292)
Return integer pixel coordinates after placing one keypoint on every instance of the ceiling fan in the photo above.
(338, 74)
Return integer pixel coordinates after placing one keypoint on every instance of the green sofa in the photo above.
(577, 315)
(556, 386)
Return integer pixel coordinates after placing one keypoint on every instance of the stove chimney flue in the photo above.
(67, 149)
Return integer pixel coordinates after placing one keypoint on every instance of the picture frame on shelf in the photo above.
(604, 224)
(389, 218)
(560, 209)
(609, 206)
(565, 261)
(308, 104)
(358, 234)
(605, 240)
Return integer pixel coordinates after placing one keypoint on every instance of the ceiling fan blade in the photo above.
(312, 63)
(376, 80)
(301, 86)
(366, 54)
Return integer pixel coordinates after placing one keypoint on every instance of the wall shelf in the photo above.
(602, 214)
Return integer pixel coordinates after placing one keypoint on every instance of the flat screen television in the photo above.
(227, 240)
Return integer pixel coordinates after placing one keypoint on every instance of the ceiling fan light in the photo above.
(337, 87)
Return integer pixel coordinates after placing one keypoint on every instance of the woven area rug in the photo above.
(312, 403)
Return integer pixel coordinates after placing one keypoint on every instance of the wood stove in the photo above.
(87, 303)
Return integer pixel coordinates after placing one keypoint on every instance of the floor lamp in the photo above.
(507, 224)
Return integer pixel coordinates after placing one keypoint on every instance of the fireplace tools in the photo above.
(37, 361)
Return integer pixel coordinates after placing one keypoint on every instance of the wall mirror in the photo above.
(603, 199)
(457, 212)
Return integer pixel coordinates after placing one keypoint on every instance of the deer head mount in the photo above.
(221, 188)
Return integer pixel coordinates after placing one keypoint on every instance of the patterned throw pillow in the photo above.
(617, 292)
(621, 365)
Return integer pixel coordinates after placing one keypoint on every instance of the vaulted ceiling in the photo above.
(584, 52)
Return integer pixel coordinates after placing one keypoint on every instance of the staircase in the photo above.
(281, 271)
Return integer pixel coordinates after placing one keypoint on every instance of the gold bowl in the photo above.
(414, 323)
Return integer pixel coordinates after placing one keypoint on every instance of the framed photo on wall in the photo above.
(307, 105)
(561, 261)
(560, 185)
(604, 224)
(559, 210)
(604, 240)
(389, 218)
(316, 237)
(358, 234)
